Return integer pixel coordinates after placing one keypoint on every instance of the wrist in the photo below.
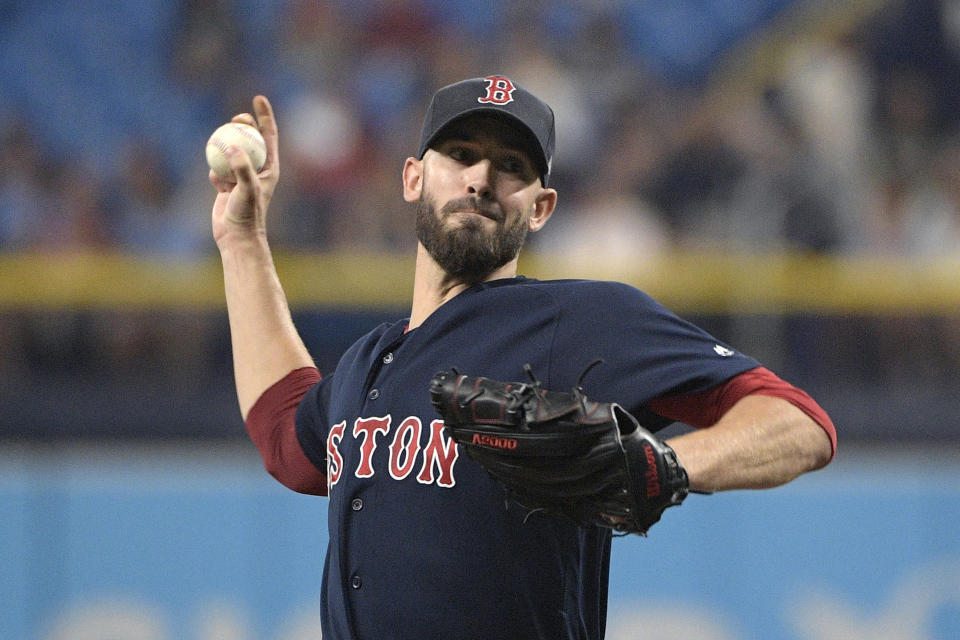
(697, 461)
(243, 243)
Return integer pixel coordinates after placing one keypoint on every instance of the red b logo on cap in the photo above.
(499, 90)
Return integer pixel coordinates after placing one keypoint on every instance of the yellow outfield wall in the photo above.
(703, 281)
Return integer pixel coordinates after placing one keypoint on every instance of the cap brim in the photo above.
(539, 155)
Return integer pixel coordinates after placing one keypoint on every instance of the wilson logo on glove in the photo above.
(653, 478)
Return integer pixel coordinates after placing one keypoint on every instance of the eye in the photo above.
(518, 166)
(512, 164)
(461, 154)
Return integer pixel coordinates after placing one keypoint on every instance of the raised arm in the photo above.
(266, 345)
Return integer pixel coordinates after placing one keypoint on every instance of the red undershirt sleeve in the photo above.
(271, 425)
(704, 408)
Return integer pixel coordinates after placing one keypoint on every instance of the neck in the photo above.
(432, 286)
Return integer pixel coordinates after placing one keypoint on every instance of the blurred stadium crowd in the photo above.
(841, 139)
(850, 145)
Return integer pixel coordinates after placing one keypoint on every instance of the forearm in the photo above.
(265, 342)
(760, 442)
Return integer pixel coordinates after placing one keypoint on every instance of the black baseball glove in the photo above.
(560, 452)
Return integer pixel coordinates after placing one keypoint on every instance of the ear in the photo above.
(412, 179)
(543, 208)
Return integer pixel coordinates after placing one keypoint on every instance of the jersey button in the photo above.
(356, 504)
(374, 394)
(387, 359)
(356, 582)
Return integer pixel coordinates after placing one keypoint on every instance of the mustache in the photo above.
(484, 207)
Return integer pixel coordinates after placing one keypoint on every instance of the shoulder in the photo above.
(592, 297)
(571, 290)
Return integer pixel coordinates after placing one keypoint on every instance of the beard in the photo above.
(468, 252)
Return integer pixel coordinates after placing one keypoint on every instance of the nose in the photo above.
(479, 178)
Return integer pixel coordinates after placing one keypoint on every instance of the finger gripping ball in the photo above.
(240, 135)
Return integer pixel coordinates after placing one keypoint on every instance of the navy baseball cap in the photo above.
(496, 95)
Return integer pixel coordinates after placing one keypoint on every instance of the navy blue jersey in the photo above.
(422, 542)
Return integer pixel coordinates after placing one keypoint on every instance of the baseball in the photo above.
(239, 135)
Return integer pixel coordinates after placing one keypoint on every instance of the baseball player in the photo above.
(423, 542)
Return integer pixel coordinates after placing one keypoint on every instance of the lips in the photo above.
(485, 214)
(475, 206)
